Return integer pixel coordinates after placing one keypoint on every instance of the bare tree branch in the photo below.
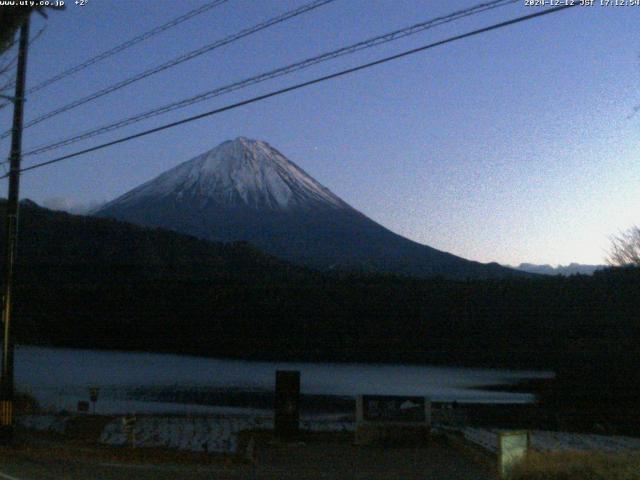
(625, 248)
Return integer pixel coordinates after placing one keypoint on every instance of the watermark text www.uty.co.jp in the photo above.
(34, 3)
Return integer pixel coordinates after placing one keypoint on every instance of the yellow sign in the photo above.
(6, 412)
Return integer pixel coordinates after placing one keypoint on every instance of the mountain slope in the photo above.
(246, 190)
(99, 247)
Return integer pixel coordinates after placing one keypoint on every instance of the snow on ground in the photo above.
(220, 433)
(194, 434)
(201, 434)
(544, 441)
(44, 423)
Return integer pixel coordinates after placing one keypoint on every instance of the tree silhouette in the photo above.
(625, 248)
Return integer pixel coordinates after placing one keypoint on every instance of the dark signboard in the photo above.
(287, 403)
(383, 408)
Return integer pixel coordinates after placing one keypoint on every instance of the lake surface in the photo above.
(153, 383)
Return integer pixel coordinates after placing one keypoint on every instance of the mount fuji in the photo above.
(246, 190)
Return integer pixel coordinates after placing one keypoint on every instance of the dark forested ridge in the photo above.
(98, 283)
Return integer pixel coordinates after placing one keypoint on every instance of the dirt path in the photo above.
(337, 458)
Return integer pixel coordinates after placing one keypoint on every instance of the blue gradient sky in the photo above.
(513, 146)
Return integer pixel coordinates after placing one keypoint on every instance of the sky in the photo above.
(517, 145)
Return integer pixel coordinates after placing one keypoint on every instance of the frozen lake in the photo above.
(155, 383)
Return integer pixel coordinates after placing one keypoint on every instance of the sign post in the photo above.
(287, 403)
(128, 425)
(93, 396)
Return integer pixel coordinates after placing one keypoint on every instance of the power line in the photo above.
(300, 85)
(176, 61)
(365, 44)
(123, 46)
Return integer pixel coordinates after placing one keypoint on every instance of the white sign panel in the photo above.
(512, 449)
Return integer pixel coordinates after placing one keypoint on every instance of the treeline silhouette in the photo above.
(97, 283)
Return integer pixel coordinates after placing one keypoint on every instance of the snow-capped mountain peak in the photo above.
(245, 190)
(242, 172)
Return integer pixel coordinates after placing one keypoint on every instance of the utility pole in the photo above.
(11, 232)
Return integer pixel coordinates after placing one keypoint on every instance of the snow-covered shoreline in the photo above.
(219, 434)
(212, 434)
(548, 441)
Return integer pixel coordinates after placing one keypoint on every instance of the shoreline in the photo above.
(532, 386)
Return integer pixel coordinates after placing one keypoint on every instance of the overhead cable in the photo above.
(369, 43)
(299, 86)
(123, 46)
(176, 61)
